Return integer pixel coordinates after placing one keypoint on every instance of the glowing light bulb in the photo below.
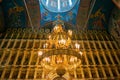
(49, 36)
(47, 59)
(56, 28)
(62, 41)
(80, 53)
(45, 45)
(70, 32)
(40, 53)
(72, 59)
(59, 60)
(77, 46)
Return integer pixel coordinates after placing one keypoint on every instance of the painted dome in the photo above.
(59, 5)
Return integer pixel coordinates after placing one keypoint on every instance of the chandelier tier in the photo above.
(59, 38)
(52, 59)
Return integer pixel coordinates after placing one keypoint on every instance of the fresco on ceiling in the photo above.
(58, 5)
(14, 13)
(69, 16)
(34, 12)
(100, 15)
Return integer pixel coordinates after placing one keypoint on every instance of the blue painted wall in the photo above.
(99, 17)
(14, 13)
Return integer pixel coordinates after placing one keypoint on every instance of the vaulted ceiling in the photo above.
(84, 14)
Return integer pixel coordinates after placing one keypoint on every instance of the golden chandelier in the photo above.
(63, 51)
(59, 38)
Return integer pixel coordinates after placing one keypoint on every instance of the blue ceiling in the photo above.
(66, 10)
(58, 5)
(44, 11)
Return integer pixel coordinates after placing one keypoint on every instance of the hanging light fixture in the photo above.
(59, 38)
(63, 51)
